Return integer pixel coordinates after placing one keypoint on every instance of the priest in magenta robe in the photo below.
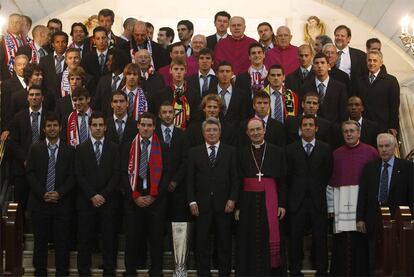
(234, 48)
(349, 246)
(284, 54)
(262, 206)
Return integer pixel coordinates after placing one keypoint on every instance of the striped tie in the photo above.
(130, 103)
(338, 60)
(98, 151)
(143, 160)
(58, 64)
(83, 130)
(35, 127)
(321, 91)
(212, 156)
(50, 181)
(167, 135)
(119, 130)
(102, 62)
(278, 113)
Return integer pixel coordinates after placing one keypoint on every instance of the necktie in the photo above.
(278, 111)
(143, 159)
(35, 127)
(212, 156)
(58, 64)
(308, 148)
(41, 52)
(102, 62)
(167, 135)
(119, 130)
(19, 41)
(338, 60)
(50, 181)
(371, 78)
(98, 151)
(321, 91)
(83, 131)
(305, 73)
(383, 197)
(205, 84)
(115, 80)
(130, 103)
(224, 106)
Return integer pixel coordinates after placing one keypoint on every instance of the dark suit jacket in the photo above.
(103, 95)
(90, 62)
(239, 107)
(95, 179)
(381, 100)
(308, 176)
(21, 139)
(275, 133)
(243, 82)
(292, 125)
(212, 186)
(130, 130)
(64, 107)
(335, 100)
(19, 101)
(294, 81)
(27, 50)
(340, 76)
(194, 82)
(358, 65)
(211, 42)
(159, 54)
(50, 78)
(369, 132)
(36, 171)
(8, 87)
(154, 83)
(400, 190)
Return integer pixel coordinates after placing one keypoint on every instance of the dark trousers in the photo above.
(297, 222)
(139, 224)
(91, 222)
(45, 226)
(21, 191)
(222, 223)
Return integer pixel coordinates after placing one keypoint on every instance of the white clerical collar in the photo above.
(211, 72)
(325, 82)
(95, 140)
(229, 89)
(257, 146)
(124, 118)
(218, 37)
(304, 142)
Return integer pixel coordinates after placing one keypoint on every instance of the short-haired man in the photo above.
(309, 165)
(320, 41)
(72, 60)
(212, 191)
(332, 94)
(310, 106)
(267, 37)
(75, 130)
(51, 198)
(35, 50)
(283, 53)
(221, 22)
(283, 102)
(97, 178)
(342, 198)
(143, 168)
(304, 72)
(165, 36)
(54, 25)
(140, 40)
(106, 18)
(387, 181)
(274, 129)
(262, 205)
(54, 63)
(380, 92)
(128, 26)
(234, 48)
(331, 53)
(185, 31)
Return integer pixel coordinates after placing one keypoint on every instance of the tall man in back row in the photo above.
(262, 205)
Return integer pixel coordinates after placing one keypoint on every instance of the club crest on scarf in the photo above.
(181, 106)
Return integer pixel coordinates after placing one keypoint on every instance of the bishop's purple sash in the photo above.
(268, 185)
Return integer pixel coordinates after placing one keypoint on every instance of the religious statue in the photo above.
(91, 23)
(313, 28)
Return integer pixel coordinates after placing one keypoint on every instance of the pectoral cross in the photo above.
(259, 175)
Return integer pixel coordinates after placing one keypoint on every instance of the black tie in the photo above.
(383, 198)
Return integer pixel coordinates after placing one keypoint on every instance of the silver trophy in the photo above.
(180, 231)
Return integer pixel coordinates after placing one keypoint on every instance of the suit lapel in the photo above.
(394, 175)
(91, 153)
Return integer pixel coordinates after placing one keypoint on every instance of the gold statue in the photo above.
(313, 28)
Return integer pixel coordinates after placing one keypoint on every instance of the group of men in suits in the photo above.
(183, 165)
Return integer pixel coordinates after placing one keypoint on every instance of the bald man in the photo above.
(234, 48)
(150, 80)
(330, 51)
(40, 35)
(140, 40)
(284, 54)
(304, 72)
